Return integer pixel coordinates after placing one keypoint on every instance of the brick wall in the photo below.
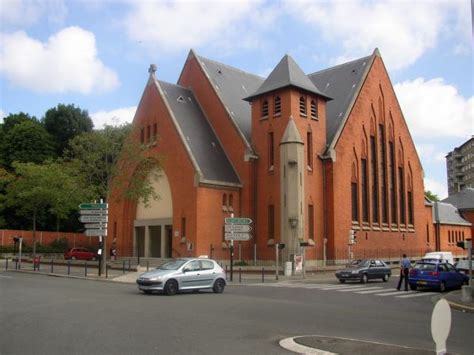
(45, 238)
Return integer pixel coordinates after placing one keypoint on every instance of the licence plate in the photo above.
(421, 283)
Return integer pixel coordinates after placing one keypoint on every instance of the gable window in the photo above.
(277, 106)
(393, 193)
(155, 131)
(365, 191)
(142, 135)
(383, 172)
(265, 108)
(271, 222)
(148, 133)
(303, 106)
(309, 149)
(401, 194)
(314, 110)
(375, 181)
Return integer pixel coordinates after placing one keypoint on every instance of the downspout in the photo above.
(325, 216)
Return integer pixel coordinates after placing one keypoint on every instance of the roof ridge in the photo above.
(230, 66)
(177, 85)
(340, 65)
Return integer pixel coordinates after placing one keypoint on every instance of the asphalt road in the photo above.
(49, 315)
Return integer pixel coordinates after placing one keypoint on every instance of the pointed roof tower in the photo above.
(291, 134)
(287, 73)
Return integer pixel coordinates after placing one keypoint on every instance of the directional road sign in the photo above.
(233, 220)
(96, 232)
(93, 212)
(96, 226)
(239, 228)
(93, 219)
(93, 206)
(237, 236)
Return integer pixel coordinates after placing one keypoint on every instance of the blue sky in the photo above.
(96, 53)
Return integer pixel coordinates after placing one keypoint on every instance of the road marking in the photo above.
(362, 289)
(375, 291)
(395, 293)
(6, 277)
(340, 287)
(419, 294)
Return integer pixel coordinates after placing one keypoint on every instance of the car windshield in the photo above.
(425, 267)
(360, 263)
(172, 265)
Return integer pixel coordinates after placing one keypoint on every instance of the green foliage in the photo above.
(56, 246)
(65, 122)
(15, 118)
(431, 196)
(240, 263)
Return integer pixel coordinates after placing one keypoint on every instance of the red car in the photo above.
(80, 254)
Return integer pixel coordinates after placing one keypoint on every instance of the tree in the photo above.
(431, 196)
(26, 141)
(5, 179)
(15, 118)
(65, 122)
(44, 188)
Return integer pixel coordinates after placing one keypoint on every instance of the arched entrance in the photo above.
(153, 225)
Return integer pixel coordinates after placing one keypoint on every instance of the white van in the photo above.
(439, 256)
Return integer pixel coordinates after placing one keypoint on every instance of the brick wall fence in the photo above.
(45, 238)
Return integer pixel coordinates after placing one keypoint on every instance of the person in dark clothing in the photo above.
(404, 272)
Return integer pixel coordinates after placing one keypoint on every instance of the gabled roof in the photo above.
(232, 85)
(342, 83)
(287, 73)
(198, 136)
(445, 213)
(463, 200)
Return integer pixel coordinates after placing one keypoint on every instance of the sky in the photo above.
(95, 54)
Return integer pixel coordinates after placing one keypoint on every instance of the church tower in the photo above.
(288, 132)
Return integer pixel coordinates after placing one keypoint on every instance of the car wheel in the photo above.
(413, 287)
(219, 285)
(385, 278)
(442, 287)
(364, 278)
(342, 281)
(171, 287)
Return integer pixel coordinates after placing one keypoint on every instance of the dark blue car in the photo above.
(441, 276)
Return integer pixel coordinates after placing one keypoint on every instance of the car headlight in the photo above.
(157, 278)
(355, 271)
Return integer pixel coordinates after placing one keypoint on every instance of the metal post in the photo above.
(129, 264)
(69, 267)
(147, 265)
(19, 251)
(263, 275)
(276, 257)
(106, 271)
(240, 274)
(255, 254)
(123, 266)
(6, 264)
(85, 270)
(231, 259)
(16, 264)
(52, 265)
(304, 262)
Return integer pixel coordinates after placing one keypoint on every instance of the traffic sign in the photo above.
(242, 228)
(96, 232)
(237, 236)
(96, 225)
(93, 206)
(93, 219)
(93, 212)
(233, 220)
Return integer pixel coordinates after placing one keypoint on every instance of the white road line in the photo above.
(396, 293)
(375, 291)
(342, 288)
(362, 289)
(6, 277)
(419, 294)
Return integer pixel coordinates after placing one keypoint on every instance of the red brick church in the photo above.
(308, 157)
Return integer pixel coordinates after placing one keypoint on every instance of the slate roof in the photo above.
(233, 85)
(342, 83)
(445, 213)
(287, 73)
(199, 136)
(463, 200)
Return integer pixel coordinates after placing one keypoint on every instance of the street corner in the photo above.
(322, 345)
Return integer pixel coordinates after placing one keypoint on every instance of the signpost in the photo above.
(236, 229)
(239, 228)
(237, 236)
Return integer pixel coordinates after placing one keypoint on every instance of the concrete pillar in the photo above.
(147, 242)
(163, 240)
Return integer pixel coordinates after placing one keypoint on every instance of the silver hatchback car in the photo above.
(184, 274)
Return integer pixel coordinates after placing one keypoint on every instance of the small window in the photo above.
(314, 110)
(193, 266)
(277, 103)
(148, 133)
(142, 135)
(302, 106)
(207, 265)
(265, 108)
(155, 131)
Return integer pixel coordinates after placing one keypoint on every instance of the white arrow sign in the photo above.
(242, 228)
(237, 236)
(93, 212)
(96, 226)
(96, 232)
(93, 219)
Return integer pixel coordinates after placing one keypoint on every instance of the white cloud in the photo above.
(435, 109)
(402, 30)
(67, 62)
(436, 187)
(429, 153)
(113, 118)
(185, 24)
(29, 12)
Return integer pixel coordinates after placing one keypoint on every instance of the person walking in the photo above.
(404, 271)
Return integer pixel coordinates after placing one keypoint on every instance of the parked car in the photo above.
(441, 276)
(184, 274)
(439, 256)
(463, 266)
(364, 270)
(80, 254)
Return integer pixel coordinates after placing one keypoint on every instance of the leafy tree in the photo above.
(40, 188)
(5, 179)
(65, 122)
(15, 118)
(26, 141)
(431, 196)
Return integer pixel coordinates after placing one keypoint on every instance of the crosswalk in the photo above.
(357, 289)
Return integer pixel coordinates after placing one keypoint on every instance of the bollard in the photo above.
(147, 264)
(123, 266)
(52, 265)
(16, 264)
(240, 275)
(129, 264)
(106, 271)
(69, 267)
(263, 275)
(85, 269)
(6, 264)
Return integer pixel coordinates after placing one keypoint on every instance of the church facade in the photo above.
(309, 158)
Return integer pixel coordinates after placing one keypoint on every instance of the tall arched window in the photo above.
(354, 195)
(309, 149)
(375, 180)
(265, 108)
(314, 110)
(277, 106)
(383, 173)
(302, 106)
